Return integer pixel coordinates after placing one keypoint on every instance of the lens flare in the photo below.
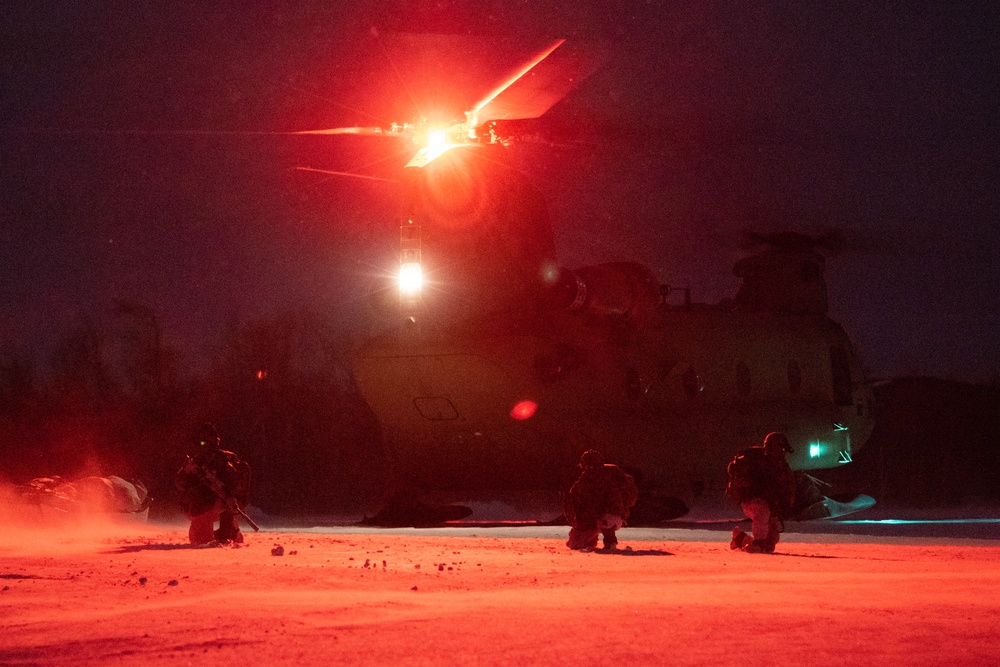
(523, 410)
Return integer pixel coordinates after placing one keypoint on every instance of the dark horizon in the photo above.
(133, 165)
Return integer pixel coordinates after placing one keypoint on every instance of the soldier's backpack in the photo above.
(629, 491)
(743, 473)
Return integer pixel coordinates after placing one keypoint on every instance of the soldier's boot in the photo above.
(225, 535)
(610, 539)
(739, 538)
(756, 547)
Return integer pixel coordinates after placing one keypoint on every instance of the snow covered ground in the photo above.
(96, 593)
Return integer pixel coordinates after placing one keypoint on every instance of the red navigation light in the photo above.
(523, 410)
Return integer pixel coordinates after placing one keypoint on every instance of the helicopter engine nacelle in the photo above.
(616, 290)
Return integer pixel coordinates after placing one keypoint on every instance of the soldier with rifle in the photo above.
(764, 485)
(214, 485)
(598, 503)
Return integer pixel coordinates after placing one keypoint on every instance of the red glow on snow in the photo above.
(523, 410)
(90, 593)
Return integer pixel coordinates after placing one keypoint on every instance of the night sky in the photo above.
(142, 156)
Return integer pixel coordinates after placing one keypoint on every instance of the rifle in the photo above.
(212, 481)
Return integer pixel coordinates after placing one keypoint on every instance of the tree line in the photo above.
(110, 400)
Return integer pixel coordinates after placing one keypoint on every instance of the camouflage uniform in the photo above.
(201, 504)
(764, 485)
(598, 503)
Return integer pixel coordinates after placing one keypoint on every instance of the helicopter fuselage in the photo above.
(506, 367)
(673, 401)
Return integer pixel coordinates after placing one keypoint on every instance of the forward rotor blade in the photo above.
(363, 131)
(542, 82)
(348, 174)
(527, 67)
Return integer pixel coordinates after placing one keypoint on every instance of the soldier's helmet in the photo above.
(591, 459)
(207, 436)
(778, 440)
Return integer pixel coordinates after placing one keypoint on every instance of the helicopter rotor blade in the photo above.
(527, 67)
(349, 174)
(540, 83)
(361, 131)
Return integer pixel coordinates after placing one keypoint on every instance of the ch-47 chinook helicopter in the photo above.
(501, 366)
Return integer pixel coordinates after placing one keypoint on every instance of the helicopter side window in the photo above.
(691, 382)
(743, 380)
(794, 376)
(840, 368)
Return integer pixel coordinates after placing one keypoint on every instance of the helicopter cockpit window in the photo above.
(794, 376)
(691, 382)
(743, 381)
